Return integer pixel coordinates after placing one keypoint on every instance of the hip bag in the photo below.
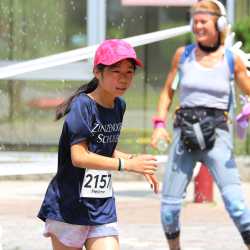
(198, 126)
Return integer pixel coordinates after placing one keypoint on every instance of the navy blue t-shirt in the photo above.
(64, 200)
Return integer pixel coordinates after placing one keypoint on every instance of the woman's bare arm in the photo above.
(241, 76)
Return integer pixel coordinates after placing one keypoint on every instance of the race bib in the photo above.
(97, 184)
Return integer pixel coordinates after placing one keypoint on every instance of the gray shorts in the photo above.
(76, 235)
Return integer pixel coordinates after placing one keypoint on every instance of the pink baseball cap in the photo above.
(114, 50)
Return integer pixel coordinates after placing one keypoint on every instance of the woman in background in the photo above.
(205, 94)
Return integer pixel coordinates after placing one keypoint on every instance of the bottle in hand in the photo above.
(162, 145)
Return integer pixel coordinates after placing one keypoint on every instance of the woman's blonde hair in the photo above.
(210, 6)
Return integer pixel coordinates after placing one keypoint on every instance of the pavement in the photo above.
(205, 226)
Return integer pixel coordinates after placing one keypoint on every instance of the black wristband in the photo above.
(120, 164)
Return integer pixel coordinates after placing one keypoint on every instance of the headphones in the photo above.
(221, 23)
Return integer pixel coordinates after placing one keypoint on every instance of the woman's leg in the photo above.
(221, 162)
(104, 243)
(178, 174)
(57, 245)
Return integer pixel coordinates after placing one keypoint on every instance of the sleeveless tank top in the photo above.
(204, 87)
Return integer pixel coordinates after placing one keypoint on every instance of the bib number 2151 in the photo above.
(97, 184)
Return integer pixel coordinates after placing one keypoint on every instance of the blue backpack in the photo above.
(230, 60)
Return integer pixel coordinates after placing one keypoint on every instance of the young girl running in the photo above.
(79, 205)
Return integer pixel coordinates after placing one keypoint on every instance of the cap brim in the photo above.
(139, 63)
(110, 62)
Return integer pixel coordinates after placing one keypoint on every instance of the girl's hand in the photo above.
(142, 164)
(153, 181)
(158, 134)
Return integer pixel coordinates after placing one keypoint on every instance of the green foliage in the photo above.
(242, 32)
(30, 29)
(115, 32)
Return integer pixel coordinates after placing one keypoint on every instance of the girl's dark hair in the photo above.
(64, 108)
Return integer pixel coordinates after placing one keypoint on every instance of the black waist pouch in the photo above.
(198, 126)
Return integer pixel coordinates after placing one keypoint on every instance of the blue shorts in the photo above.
(76, 235)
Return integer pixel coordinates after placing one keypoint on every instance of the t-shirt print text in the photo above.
(107, 133)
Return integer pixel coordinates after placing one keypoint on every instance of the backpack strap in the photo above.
(187, 52)
(230, 61)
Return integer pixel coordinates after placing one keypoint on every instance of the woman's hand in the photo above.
(142, 164)
(158, 134)
(153, 181)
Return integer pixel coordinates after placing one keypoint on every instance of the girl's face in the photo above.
(116, 79)
(204, 29)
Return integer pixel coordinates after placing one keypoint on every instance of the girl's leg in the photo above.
(57, 245)
(178, 174)
(104, 243)
(222, 165)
